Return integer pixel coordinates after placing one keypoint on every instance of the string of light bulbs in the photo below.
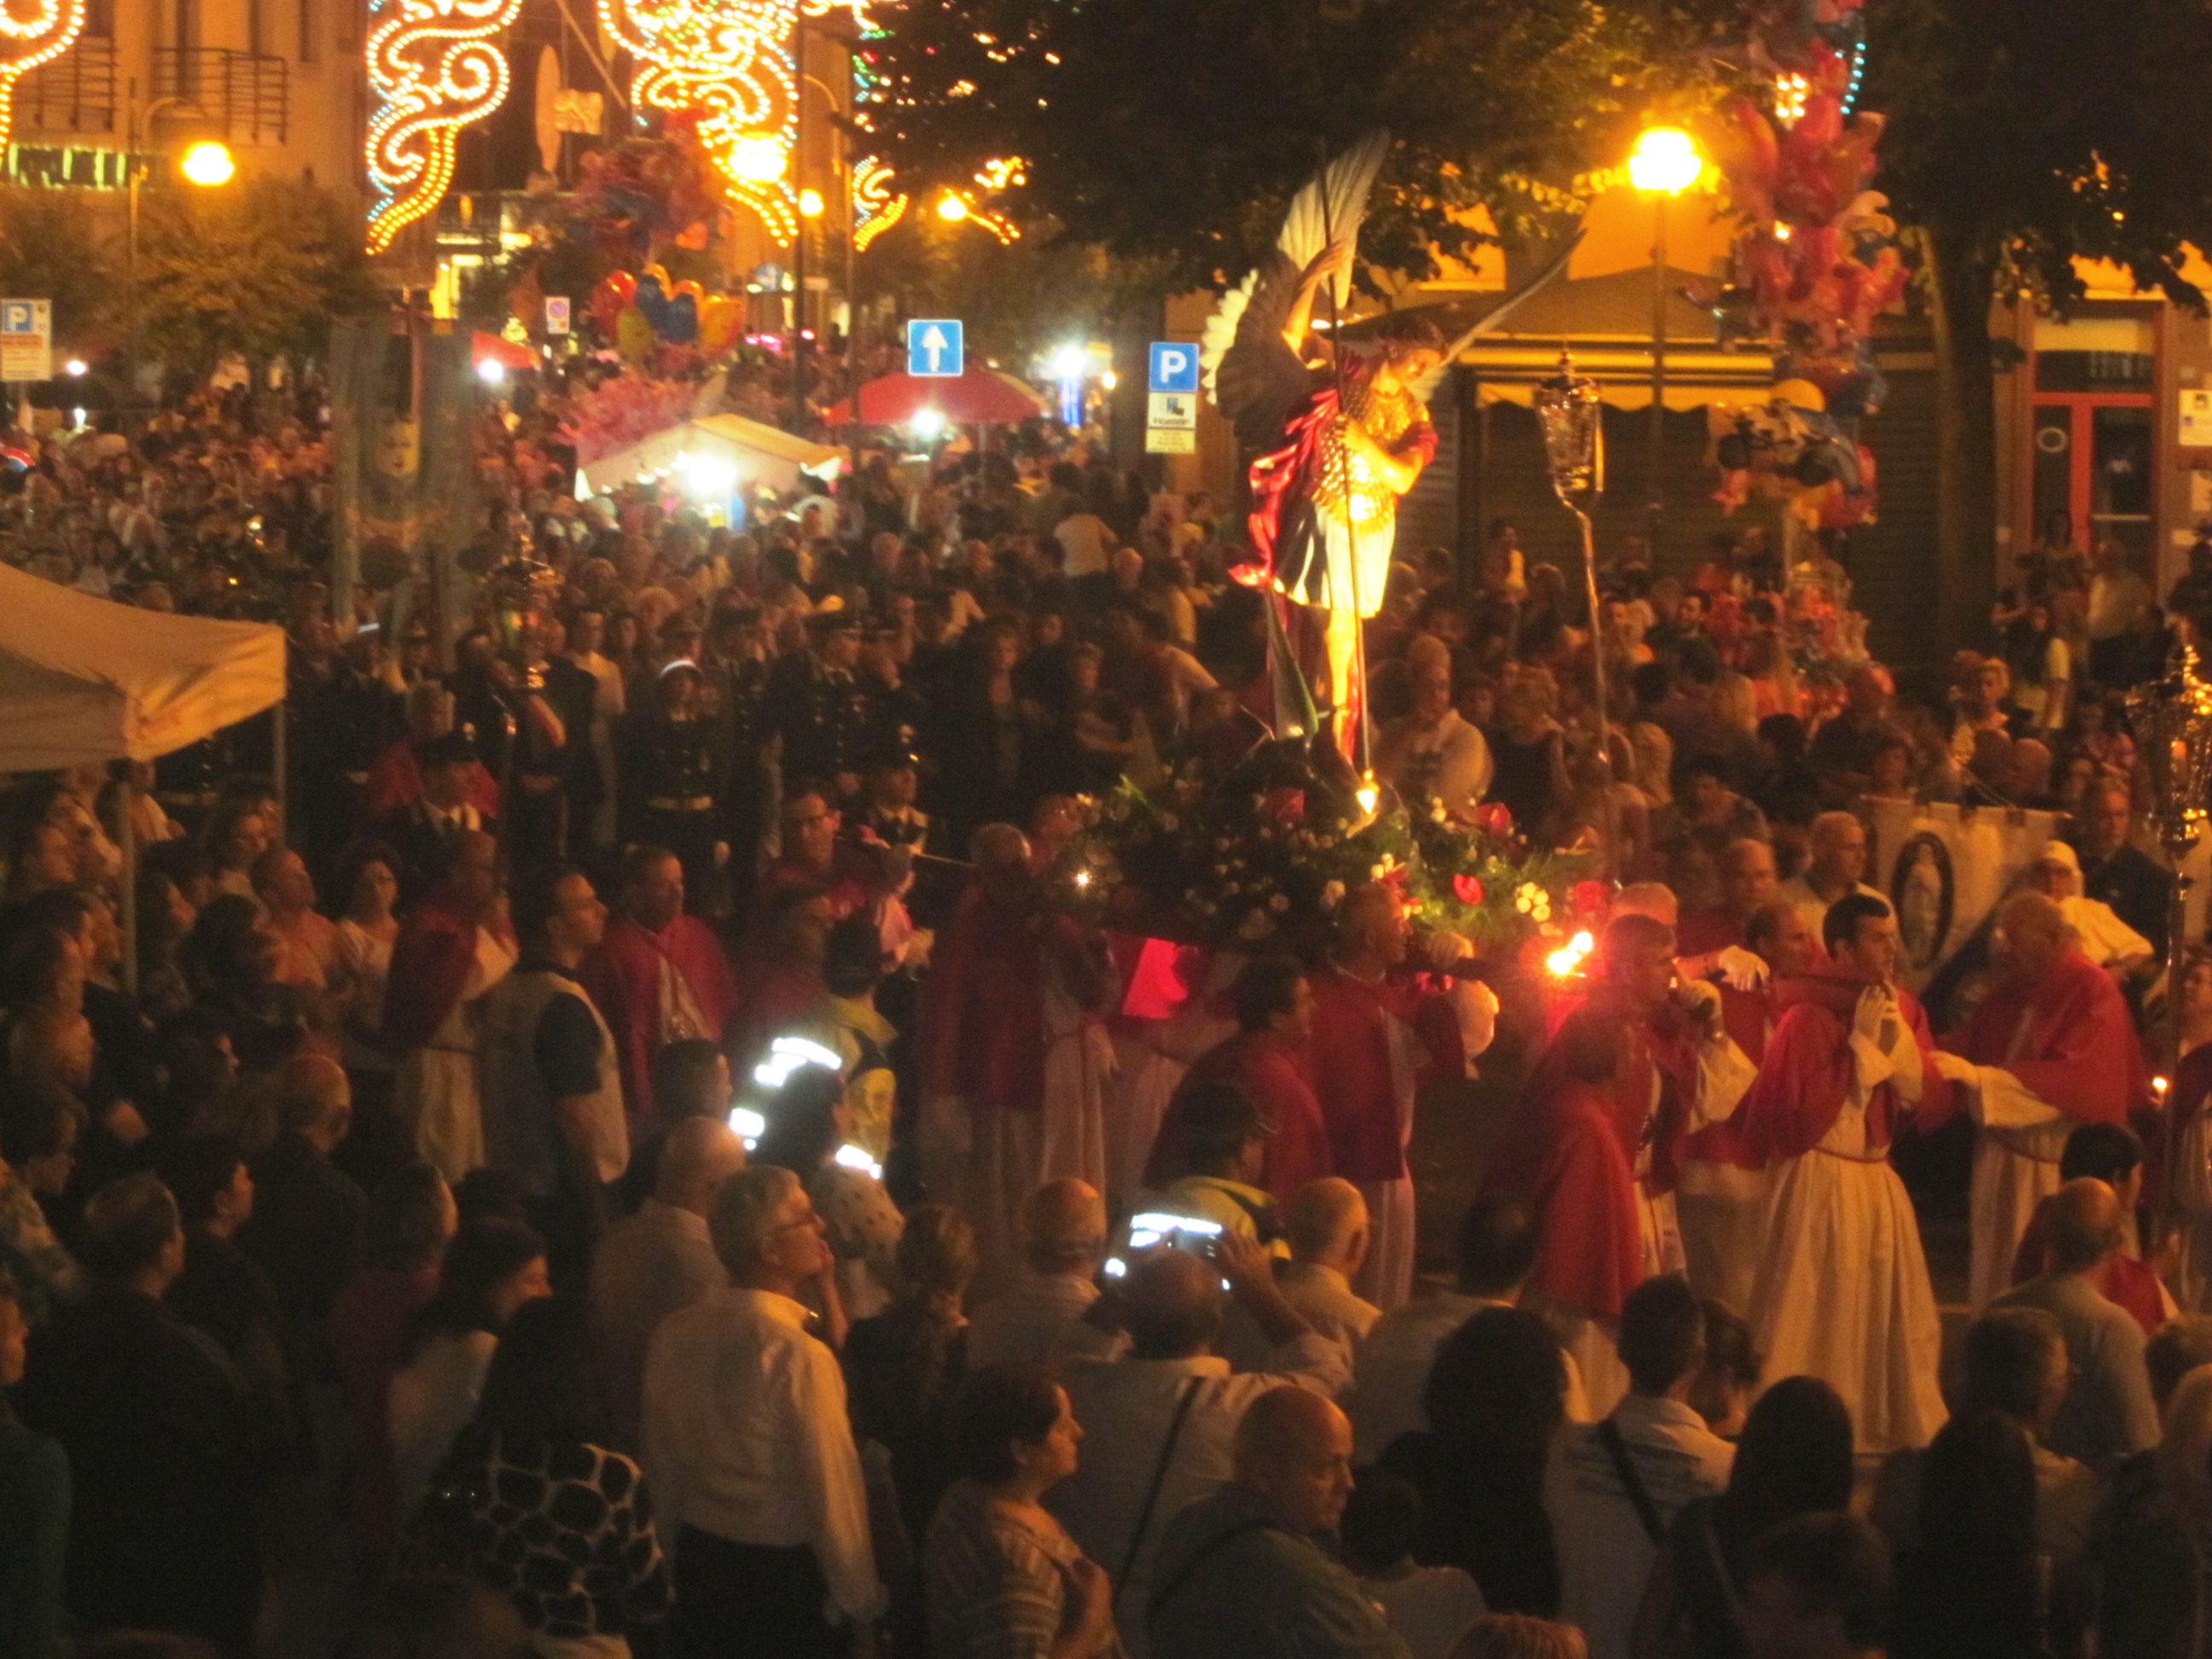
(25, 44)
(436, 67)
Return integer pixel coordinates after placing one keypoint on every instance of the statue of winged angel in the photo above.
(1337, 436)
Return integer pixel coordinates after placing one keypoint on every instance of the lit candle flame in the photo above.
(1083, 878)
(1569, 957)
(1368, 795)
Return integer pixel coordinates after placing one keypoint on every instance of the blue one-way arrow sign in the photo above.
(936, 347)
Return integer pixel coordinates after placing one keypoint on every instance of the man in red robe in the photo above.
(1721, 1200)
(658, 975)
(1380, 1034)
(1841, 1290)
(1682, 1073)
(450, 951)
(1014, 1055)
(2052, 1046)
(1747, 885)
(1271, 1060)
(1562, 1154)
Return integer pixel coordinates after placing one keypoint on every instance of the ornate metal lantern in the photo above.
(2173, 722)
(1570, 411)
(519, 589)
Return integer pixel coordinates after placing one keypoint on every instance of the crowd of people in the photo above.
(623, 1155)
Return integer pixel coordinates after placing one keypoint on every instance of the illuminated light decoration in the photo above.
(876, 206)
(435, 68)
(1859, 76)
(748, 1126)
(25, 44)
(953, 208)
(1790, 92)
(731, 60)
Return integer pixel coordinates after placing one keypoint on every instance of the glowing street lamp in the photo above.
(759, 158)
(208, 163)
(1664, 163)
(810, 202)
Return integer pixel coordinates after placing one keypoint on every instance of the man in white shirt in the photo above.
(1432, 753)
(1159, 1424)
(1325, 1222)
(651, 1264)
(1497, 1248)
(1063, 1242)
(756, 1483)
(1612, 1489)
(1837, 867)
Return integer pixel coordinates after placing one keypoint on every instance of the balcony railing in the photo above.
(75, 93)
(247, 97)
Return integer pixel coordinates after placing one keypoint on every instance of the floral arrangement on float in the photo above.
(1261, 858)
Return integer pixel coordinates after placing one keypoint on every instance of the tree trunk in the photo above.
(1961, 277)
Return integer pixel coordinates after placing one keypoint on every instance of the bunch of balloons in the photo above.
(640, 311)
(1815, 262)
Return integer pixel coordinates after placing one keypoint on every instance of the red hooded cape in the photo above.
(1352, 1071)
(430, 962)
(624, 978)
(1276, 1073)
(2081, 1053)
(982, 1022)
(1807, 1070)
(1562, 1154)
(1666, 1039)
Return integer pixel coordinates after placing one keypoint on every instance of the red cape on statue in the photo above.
(1276, 1073)
(1352, 1075)
(2081, 1053)
(623, 977)
(1808, 1068)
(1561, 1152)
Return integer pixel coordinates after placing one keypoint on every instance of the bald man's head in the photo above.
(1064, 1229)
(2084, 1221)
(2033, 933)
(1326, 1223)
(314, 1099)
(1294, 1452)
(1175, 1305)
(699, 1154)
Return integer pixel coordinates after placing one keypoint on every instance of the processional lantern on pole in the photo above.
(2173, 722)
(1570, 410)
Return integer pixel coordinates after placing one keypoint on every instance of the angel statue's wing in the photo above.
(1253, 377)
(1494, 318)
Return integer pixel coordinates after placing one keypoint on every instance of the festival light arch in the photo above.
(436, 66)
(51, 30)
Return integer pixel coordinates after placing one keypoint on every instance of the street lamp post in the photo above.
(1664, 162)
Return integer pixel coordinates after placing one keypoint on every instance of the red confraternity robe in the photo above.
(654, 988)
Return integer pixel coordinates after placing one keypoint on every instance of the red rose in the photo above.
(1588, 897)
(1285, 806)
(1494, 817)
(1467, 889)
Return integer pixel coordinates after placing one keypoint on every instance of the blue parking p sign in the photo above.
(936, 348)
(1175, 366)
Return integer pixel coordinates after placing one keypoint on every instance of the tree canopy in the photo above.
(1174, 133)
(2032, 132)
(259, 268)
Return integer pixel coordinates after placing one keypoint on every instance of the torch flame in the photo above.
(1562, 962)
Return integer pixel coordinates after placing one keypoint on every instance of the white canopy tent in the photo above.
(716, 455)
(84, 681)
